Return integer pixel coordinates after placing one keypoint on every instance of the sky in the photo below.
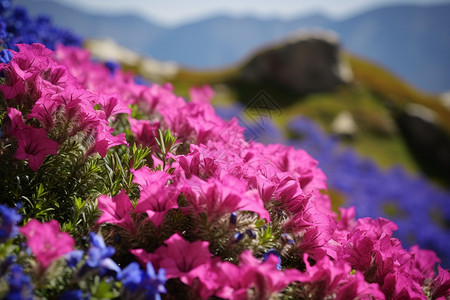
(177, 12)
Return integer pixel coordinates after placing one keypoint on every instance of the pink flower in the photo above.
(30, 59)
(264, 277)
(14, 84)
(34, 145)
(55, 77)
(201, 93)
(196, 164)
(424, 261)
(116, 210)
(327, 278)
(43, 110)
(112, 105)
(210, 160)
(192, 263)
(402, 284)
(16, 123)
(105, 140)
(145, 132)
(216, 197)
(156, 197)
(441, 284)
(312, 228)
(347, 221)
(46, 241)
(156, 98)
(178, 257)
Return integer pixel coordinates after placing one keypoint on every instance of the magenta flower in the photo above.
(105, 140)
(43, 110)
(424, 261)
(46, 241)
(201, 93)
(34, 145)
(144, 131)
(441, 284)
(159, 98)
(216, 197)
(156, 197)
(327, 278)
(402, 284)
(16, 123)
(55, 77)
(195, 122)
(116, 210)
(112, 105)
(178, 257)
(210, 160)
(14, 84)
(30, 59)
(192, 263)
(263, 277)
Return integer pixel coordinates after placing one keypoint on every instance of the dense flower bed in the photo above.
(420, 209)
(116, 190)
(204, 212)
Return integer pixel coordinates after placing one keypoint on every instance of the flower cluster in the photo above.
(16, 26)
(419, 208)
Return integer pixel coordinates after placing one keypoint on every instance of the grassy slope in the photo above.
(369, 99)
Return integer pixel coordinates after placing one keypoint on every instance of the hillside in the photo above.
(390, 115)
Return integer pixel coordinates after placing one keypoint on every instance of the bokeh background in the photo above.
(363, 86)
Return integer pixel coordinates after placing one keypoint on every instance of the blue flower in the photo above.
(131, 276)
(20, 287)
(8, 222)
(4, 5)
(140, 282)
(154, 282)
(17, 26)
(74, 257)
(273, 252)
(99, 256)
(5, 57)
(112, 66)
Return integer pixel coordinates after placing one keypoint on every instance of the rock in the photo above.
(150, 68)
(429, 144)
(344, 125)
(304, 63)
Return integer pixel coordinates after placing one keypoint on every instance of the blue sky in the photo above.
(174, 12)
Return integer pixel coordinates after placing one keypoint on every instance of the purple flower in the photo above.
(74, 257)
(20, 287)
(275, 253)
(146, 282)
(8, 222)
(5, 56)
(99, 256)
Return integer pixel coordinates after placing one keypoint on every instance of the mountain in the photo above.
(129, 30)
(411, 41)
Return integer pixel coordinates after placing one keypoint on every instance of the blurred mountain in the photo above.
(412, 41)
(129, 30)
